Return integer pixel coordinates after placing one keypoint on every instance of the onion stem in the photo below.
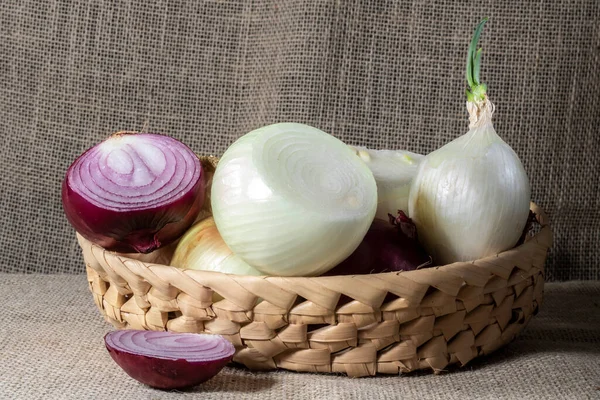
(477, 90)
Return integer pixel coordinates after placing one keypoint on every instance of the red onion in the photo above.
(388, 246)
(167, 360)
(134, 192)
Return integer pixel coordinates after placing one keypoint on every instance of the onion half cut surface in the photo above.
(134, 192)
(167, 360)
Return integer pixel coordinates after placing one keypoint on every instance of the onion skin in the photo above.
(165, 373)
(202, 248)
(470, 198)
(139, 230)
(388, 246)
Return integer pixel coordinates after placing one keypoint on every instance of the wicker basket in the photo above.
(391, 323)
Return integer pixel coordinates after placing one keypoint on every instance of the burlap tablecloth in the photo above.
(51, 347)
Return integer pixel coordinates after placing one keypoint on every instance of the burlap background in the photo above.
(52, 348)
(381, 74)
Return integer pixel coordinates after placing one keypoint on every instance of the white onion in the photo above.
(470, 198)
(393, 171)
(291, 200)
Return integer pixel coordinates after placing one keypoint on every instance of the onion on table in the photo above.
(166, 360)
(134, 192)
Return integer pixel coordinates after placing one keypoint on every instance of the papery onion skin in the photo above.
(470, 198)
(394, 171)
(291, 200)
(202, 248)
(162, 368)
(120, 220)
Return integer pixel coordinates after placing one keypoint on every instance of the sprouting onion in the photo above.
(134, 192)
(393, 171)
(470, 198)
(166, 360)
(292, 200)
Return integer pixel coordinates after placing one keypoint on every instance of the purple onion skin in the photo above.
(388, 246)
(166, 374)
(135, 230)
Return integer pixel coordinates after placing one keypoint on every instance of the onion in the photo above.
(393, 171)
(388, 246)
(134, 192)
(166, 360)
(470, 198)
(291, 200)
(202, 248)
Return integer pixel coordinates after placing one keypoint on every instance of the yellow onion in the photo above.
(202, 248)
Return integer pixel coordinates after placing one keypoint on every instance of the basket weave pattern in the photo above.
(359, 325)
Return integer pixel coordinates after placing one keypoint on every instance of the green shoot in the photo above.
(477, 90)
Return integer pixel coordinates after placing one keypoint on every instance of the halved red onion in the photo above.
(134, 192)
(167, 360)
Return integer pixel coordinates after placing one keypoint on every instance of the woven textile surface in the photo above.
(53, 349)
(379, 74)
